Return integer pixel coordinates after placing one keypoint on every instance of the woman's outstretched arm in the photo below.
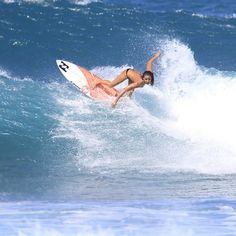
(150, 61)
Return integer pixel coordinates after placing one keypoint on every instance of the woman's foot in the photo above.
(94, 84)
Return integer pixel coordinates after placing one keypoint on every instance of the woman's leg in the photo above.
(119, 79)
(97, 82)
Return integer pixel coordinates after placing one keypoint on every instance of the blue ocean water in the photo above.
(162, 163)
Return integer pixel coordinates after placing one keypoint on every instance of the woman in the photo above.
(134, 77)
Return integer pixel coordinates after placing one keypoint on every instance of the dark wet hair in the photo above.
(149, 73)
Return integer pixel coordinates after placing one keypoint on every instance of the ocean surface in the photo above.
(161, 163)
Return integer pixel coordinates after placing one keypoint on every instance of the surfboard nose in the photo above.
(58, 61)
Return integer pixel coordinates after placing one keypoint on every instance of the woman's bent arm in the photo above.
(125, 90)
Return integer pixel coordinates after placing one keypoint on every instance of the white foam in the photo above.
(200, 101)
(225, 16)
(230, 16)
(26, 1)
(5, 74)
(35, 1)
(84, 2)
(199, 15)
(8, 1)
(200, 104)
(70, 124)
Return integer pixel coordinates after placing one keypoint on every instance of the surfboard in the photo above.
(83, 80)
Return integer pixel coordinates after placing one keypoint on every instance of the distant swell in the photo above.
(48, 2)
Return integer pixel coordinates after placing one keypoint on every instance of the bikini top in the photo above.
(131, 69)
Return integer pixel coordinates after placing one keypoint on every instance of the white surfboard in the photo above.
(83, 80)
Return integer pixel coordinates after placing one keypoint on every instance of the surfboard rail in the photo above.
(83, 79)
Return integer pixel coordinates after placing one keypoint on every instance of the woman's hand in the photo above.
(113, 105)
(157, 54)
(150, 61)
(125, 90)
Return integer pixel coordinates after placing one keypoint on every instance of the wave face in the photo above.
(175, 140)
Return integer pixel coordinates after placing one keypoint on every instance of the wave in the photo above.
(223, 16)
(204, 15)
(184, 123)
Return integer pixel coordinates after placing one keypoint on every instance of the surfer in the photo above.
(134, 77)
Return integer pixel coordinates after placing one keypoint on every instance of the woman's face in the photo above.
(147, 79)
